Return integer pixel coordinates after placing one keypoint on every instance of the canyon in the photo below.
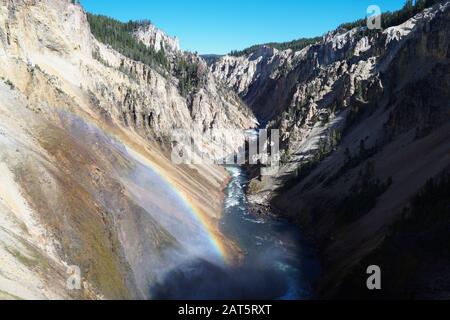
(83, 161)
(86, 177)
(364, 121)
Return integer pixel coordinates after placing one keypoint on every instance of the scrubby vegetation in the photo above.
(325, 147)
(363, 195)
(254, 187)
(119, 36)
(97, 56)
(352, 161)
(8, 83)
(211, 58)
(295, 45)
(414, 256)
(189, 75)
(303, 171)
(389, 19)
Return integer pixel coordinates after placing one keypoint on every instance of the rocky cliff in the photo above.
(153, 37)
(85, 173)
(364, 118)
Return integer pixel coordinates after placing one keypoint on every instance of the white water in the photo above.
(273, 246)
(277, 263)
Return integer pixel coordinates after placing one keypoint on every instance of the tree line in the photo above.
(295, 45)
(388, 19)
(119, 36)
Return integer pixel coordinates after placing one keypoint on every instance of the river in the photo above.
(277, 265)
(274, 248)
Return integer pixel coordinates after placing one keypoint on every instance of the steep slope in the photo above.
(365, 121)
(151, 36)
(86, 177)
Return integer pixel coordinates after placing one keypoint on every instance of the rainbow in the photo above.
(199, 216)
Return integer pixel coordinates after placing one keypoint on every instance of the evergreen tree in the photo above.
(119, 36)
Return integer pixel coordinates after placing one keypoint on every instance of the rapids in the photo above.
(278, 264)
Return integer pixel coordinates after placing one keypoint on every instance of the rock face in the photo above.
(151, 36)
(251, 77)
(84, 135)
(364, 119)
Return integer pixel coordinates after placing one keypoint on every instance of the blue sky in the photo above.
(219, 26)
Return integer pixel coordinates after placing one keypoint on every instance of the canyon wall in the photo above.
(365, 120)
(84, 135)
